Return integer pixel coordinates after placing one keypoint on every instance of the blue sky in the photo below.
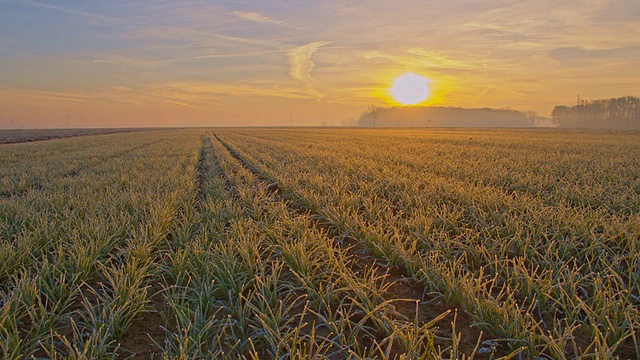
(169, 63)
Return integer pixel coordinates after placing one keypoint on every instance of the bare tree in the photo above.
(374, 111)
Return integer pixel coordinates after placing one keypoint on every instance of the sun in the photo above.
(410, 89)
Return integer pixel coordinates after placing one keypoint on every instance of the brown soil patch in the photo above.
(145, 334)
(20, 136)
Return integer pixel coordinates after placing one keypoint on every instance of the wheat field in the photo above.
(286, 243)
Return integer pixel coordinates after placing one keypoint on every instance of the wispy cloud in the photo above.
(75, 12)
(578, 55)
(418, 58)
(301, 64)
(104, 61)
(257, 17)
(141, 62)
(64, 96)
(186, 94)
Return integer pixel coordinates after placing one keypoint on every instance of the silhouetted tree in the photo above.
(374, 111)
(560, 114)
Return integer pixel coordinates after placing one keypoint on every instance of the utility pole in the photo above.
(291, 118)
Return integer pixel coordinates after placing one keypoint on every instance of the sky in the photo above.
(84, 63)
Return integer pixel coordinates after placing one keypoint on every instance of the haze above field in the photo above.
(151, 63)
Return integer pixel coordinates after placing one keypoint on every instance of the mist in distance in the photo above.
(617, 113)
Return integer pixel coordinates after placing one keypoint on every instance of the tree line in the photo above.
(438, 116)
(622, 112)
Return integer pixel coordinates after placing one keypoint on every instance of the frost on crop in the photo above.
(265, 243)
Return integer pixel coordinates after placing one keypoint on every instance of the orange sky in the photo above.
(196, 63)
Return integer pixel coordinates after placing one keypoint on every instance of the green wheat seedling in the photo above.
(532, 235)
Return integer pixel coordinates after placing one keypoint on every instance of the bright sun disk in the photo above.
(410, 89)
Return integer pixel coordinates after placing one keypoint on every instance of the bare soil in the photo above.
(19, 136)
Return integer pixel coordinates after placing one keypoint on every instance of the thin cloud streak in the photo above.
(75, 12)
(257, 17)
(48, 95)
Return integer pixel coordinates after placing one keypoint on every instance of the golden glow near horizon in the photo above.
(410, 89)
(124, 63)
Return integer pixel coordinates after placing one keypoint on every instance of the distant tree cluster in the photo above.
(438, 116)
(616, 113)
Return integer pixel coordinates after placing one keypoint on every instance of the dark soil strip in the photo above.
(145, 337)
(21, 136)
